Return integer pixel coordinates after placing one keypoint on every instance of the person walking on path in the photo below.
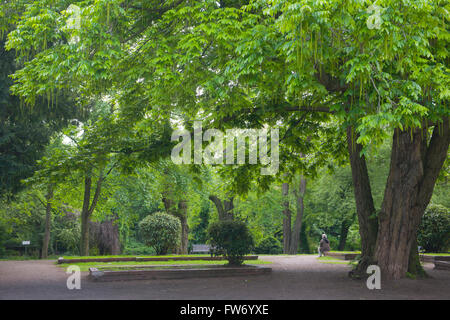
(324, 245)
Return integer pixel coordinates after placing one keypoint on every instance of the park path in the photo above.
(293, 277)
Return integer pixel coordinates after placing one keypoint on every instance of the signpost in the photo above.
(25, 244)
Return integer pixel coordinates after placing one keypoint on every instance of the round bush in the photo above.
(232, 239)
(269, 245)
(162, 231)
(434, 231)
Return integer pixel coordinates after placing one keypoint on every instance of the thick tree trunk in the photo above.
(414, 266)
(286, 218)
(105, 236)
(48, 213)
(295, 236)
(225, 210)
(364, 203)
(413, 172)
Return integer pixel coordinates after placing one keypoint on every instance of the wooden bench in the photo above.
(201, 248)
(432, 258)
(442, 265)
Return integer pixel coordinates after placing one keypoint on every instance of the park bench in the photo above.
(201, 248)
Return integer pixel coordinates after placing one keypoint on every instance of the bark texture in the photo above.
(286, 218)
(295, 235)
(365, 208)
(88, 209)
(414, 169)
(224, 208)
(105, 236)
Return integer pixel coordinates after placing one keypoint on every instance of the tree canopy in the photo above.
(338, 78)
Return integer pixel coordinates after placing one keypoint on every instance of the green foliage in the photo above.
(3, 238)
(269, 245)
(84, 266)
(24, 134)
(309, 68)
(136, 248)
(66, 232)
(232, 239)
(434, 231)
(199, 231)
(162, 231)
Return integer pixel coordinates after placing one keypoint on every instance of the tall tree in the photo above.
(300, 209)
(312, 68)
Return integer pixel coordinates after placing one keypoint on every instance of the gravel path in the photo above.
(293, 277)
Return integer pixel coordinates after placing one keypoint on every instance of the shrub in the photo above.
(162, 231)
(434, 231)
(269, 245)
(232, 239)
(134, 247)
(3, 238)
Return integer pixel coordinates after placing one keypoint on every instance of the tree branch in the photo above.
(435, 156)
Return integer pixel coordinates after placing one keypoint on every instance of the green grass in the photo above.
(346, 252)
(332, 260)
(437, 254)
(132, 256)
(84, 266)
(163, 267)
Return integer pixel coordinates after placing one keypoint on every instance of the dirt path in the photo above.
(293, 277)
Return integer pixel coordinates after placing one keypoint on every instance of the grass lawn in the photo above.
(84, 266)
(332, 260)
(132, 256)
(346, 252)
(437, 254)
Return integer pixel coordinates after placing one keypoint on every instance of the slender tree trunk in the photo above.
(365, 208)
(48, 213)
(414, 170)
(182, 208)
(85, 217)
(180, 212)
(286, 218)
(88, 209)
(295, 237)
(345, 225)
(169, 206)
(84, 235)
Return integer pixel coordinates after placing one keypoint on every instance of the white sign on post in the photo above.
(27, 242)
